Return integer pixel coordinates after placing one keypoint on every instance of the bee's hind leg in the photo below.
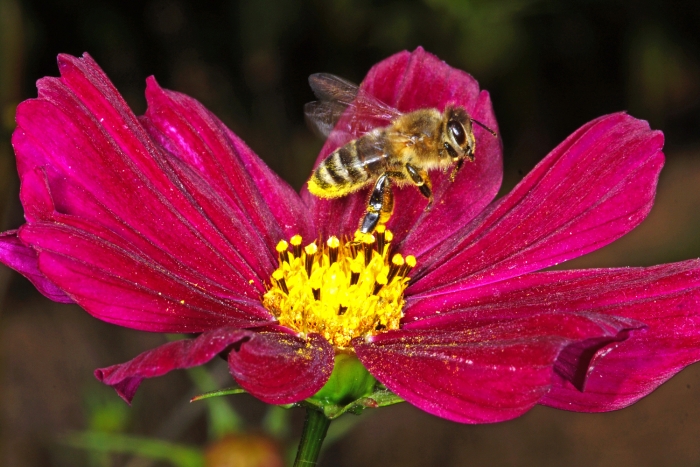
(422, 181)
(380, 205)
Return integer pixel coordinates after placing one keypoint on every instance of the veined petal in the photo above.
(592, 189)
(122, 287)
(281, 368)
(665, 298)
(194, 135)
(483, 374)
(91, 172)
(125, 378)
(23, 259)
(411, 81)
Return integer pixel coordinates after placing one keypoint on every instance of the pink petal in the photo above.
(282, 368)
(482, 374)
(155, 229)
(125, 378)
(23, 259)
(665, 298)
(411, 81)
(124, 288)
(195, 136)
(592, 189)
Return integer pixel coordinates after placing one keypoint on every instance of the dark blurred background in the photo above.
(550, 67)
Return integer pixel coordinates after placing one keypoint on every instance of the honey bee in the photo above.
(399, 153)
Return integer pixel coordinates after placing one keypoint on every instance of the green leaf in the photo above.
(219, 392)
(223, 419)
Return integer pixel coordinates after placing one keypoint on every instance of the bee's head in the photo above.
(458, 139)
(457, 135)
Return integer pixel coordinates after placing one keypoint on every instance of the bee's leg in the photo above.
(422, 181)
(380, 205)
(458, 165)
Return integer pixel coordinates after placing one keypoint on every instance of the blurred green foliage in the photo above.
(550, 66)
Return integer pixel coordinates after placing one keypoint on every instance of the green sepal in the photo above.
(348, 382)
(380, 397)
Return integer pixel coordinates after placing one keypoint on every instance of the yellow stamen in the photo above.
(381, 238)
(333, 244)
(368, 247)
(346, 290)
(279, 277)
(296, 245)
(282, 250)
(310, 253)
(396, 263)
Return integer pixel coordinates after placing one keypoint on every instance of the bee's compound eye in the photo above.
(457, 131)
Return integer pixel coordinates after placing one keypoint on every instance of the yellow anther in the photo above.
(410, 264)
(279, 277)
(282, 250)
(296, 245)
(310, 251)
(380, 282)
(333, 244)
(336, 293)
(396, 263)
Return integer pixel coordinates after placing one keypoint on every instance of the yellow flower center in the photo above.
(341, 289)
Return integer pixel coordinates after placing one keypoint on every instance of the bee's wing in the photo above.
(335, 96)
(322, 116)
(331, 88)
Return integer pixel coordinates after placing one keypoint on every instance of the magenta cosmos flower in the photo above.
(170, 223)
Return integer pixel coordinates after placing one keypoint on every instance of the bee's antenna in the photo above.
(484, 127)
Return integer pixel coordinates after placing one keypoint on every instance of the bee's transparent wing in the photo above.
(331, 88)
(322, 116)
(336, 96)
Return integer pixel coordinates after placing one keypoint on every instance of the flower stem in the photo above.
(315, 428)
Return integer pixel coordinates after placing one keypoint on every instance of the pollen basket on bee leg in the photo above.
(341, 289)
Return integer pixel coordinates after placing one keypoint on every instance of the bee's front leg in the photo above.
(380, 205)
(421, 179)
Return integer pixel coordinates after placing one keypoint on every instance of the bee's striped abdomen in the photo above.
(347, 169)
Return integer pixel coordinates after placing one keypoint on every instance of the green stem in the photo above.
(315, 428)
